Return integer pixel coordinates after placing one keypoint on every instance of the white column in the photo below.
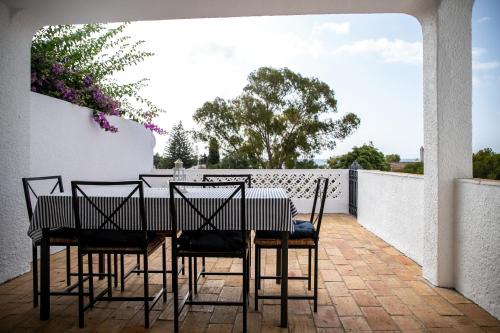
(15, 40)
(448, 128)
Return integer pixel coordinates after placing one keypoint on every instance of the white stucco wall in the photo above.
(391, 205)
(477, 242)
(66, 141)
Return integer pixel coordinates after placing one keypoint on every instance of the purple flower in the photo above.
(59, 86)
(57, 69)
(101, 119)
(33, 77)
(155, 128)
(87, 81)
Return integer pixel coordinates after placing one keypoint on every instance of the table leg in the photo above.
(284, 280)
(45, 276)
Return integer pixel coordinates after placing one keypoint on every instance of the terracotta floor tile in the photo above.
(408, 323)
(378, 319)
(355, 324)
(379, 288)
(346, 306)
(326, 317)
(393, 305)
(477, 314)
(362, 281)
(354, 282)
(365, 298)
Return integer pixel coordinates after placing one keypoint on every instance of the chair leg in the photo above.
(164, 270)
(110, 286)
(278, 265)
(81, 323)
(203, 265)
(122, 272)
(115, 267)
(34, 256)
(146, 290)
(256, 277)
(195, 275)
(190, 278)
(316, 278)
(138, 263)
(68, 266)
(91, 280)
(245, 293)
(182, 268)
(175, 291)
(309, 259)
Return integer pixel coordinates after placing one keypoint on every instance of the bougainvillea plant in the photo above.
(77, 63)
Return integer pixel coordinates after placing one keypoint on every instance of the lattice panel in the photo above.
(298, 186)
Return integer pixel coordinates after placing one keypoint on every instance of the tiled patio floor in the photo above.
(365, 285)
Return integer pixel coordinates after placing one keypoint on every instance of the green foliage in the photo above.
(77, 63)
(280, 116)
(213, 152)
(486, 164)
(415, 167)
(304, 164)
(179, 146)
(392, 158)
(159, 161)
(235, 160)
(369, 157)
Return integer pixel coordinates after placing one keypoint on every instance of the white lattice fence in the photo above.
(299, 183)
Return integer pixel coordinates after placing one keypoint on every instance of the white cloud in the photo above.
(479, 65)
(391, 51)
(484, 19)
(338, 28)
(488, 65)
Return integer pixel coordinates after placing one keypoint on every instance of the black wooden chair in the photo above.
(117, 226)
(34, 187)
(206, 239)
(304, 236)
(247, 178)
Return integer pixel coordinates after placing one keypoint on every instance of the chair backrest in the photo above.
(319, 203)
(246, 178)
(35, 186)
(101, 205)
(145, 176)
(207, 211)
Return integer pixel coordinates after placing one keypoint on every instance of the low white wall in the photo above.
(477, 242)
(66, 141)
(391, 205)
(299, 184)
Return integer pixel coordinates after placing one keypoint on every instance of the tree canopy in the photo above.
(486, 164)
(392, 158)
(179, 146)
(213, 152)
(369, 157)
(280, 116)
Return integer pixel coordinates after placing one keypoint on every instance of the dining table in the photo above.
(265, 209)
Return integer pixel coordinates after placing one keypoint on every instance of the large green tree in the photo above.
(392, 158)
(179, 146)
(369, 157)
(213, 152)
(486, 164)
(280, 116)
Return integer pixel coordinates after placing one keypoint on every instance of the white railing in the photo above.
(299, 183)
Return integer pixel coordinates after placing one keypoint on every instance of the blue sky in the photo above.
(372, 62)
